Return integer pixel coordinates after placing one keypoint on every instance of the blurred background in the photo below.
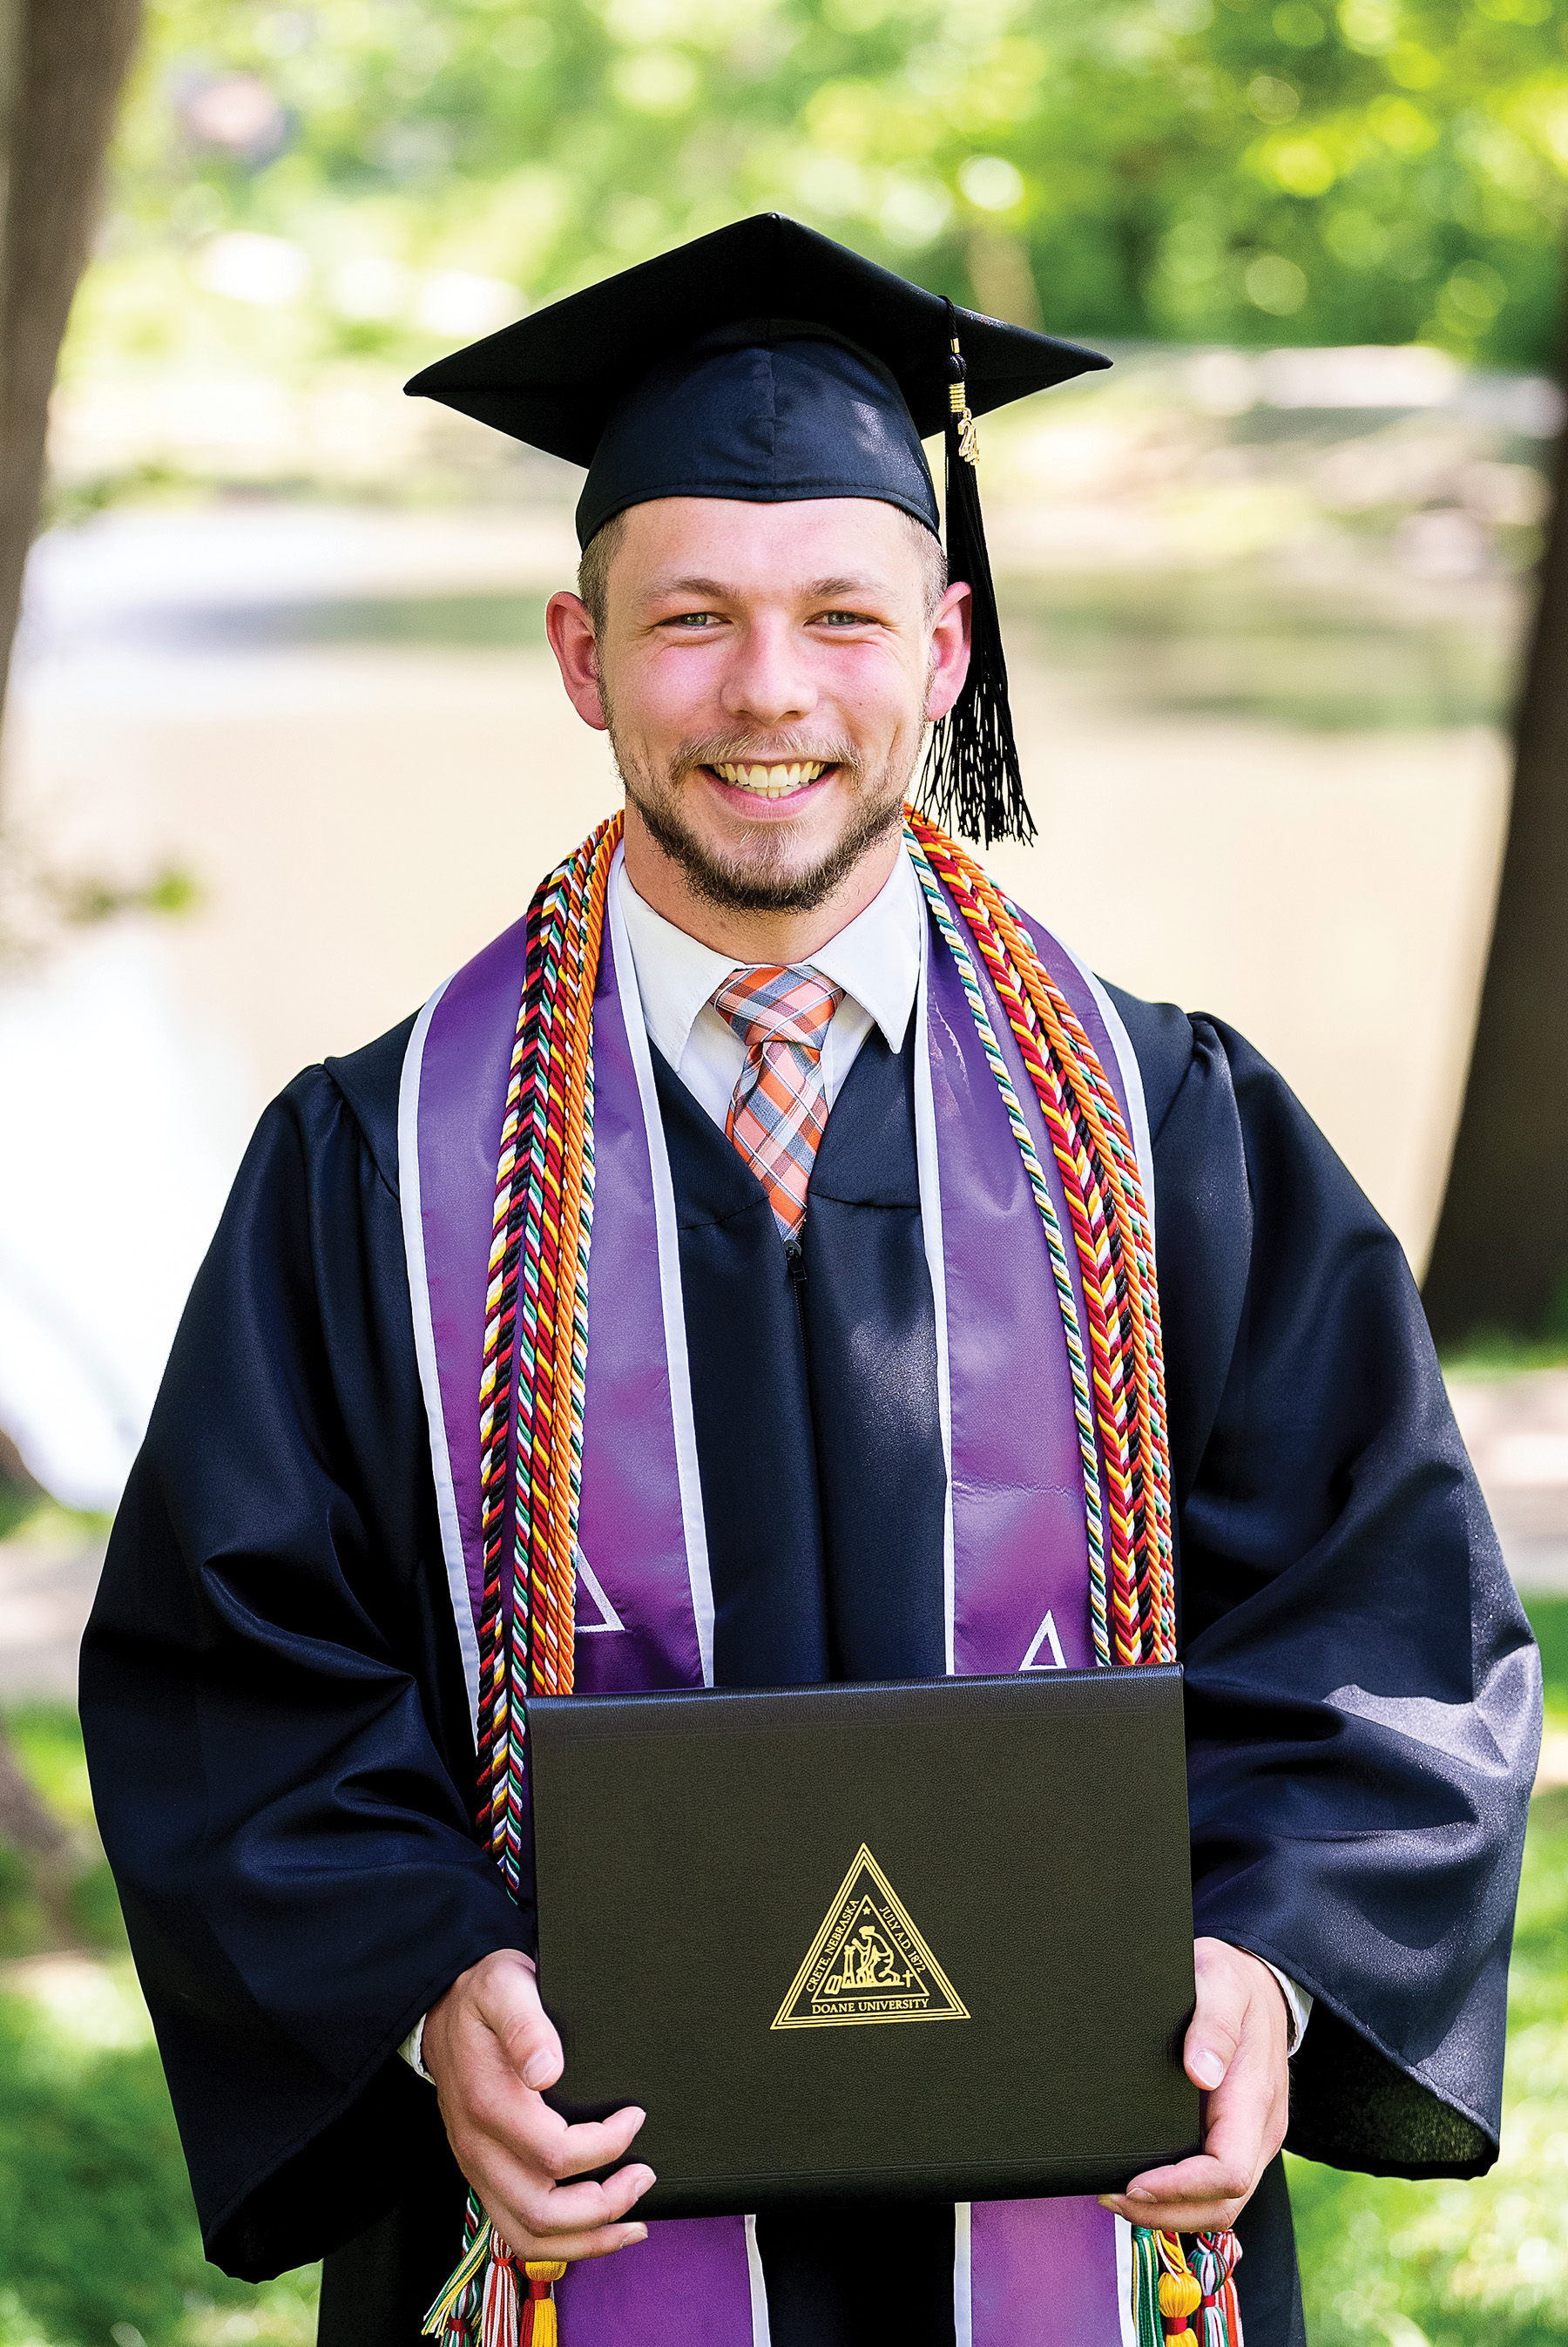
(1289, 630)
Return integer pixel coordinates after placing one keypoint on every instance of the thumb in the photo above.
(512, 2011)
(1215, 2031)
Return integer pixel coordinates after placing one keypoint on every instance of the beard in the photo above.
(768, 876)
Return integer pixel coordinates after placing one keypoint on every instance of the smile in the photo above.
(771, 782)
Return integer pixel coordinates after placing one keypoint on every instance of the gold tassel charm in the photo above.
(958, 400)
(1179, 2297)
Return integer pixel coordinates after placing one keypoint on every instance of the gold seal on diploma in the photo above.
(868, 1964)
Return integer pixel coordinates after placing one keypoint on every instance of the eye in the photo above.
(846, 619)
(693, 621)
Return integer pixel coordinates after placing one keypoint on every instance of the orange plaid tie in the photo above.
(781, 1015)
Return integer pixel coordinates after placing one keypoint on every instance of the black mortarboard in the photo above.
(767, 362)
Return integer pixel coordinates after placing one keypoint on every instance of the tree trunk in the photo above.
(1500, 1259)
(61, 63)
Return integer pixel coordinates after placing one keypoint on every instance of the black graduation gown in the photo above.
(277, 1724)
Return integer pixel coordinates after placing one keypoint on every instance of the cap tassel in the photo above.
(971, 783)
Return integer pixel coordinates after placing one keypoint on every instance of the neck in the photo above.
(748, 936)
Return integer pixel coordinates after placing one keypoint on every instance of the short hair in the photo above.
(593, 570)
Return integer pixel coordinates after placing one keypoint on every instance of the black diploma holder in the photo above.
(929, 1940)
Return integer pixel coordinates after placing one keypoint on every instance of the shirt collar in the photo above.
(875, 960)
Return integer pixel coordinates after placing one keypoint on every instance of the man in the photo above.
(819, 1336)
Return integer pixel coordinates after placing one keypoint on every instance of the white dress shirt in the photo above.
(875, 960)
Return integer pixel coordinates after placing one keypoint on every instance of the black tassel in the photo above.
(970, 783)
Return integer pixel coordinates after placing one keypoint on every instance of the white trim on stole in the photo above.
(930, 1189)
(408, 1188)
(1124, 2281)
(695, 1528)
(762, 2336)
(963, 2302)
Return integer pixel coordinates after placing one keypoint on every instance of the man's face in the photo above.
(765, 672)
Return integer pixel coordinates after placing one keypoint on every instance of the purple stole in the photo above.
(1017, 1580)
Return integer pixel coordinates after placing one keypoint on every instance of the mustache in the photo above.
(740, 749)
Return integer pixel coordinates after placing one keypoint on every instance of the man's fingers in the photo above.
(562, 2151)
(600, 2244)
(1195, 2196)
(509, 2122)
(548, 2211)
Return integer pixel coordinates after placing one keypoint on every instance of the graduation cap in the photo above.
(767, 362)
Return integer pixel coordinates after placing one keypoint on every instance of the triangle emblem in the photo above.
(868, 1964)
(589, 1584)
(1045, 1636)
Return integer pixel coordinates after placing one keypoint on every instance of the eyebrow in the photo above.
(715, 591)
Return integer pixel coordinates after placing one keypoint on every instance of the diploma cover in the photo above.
(932, 1939)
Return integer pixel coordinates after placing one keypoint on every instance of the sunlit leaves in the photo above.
(1364, 169)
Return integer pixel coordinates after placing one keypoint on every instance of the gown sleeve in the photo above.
(275, 1714)
(1363, 1691)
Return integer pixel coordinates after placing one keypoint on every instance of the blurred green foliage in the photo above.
(69, 1897)
(96, 2230)
(1549, 1620)
(98, 2240)
(1314, 170)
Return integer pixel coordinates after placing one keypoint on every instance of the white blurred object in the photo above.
(460, 301)
(991, 182)
(111, 1181)
(1366, 375)
(1516, 1428)
(914, 211)
(237, 114)
(1530, 1461)
(1224, 383)
(369, 286)
(90, 2004)
(265, 269)
(1446, 544)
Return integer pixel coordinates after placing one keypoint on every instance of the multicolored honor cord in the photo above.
(536, 1352)
(1171, 2285)
(531, 1445)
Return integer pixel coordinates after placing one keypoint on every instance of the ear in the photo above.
(570, 632)
(950, 650)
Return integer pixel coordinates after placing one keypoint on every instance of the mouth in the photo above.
(780, 779)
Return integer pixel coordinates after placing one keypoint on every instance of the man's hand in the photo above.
(490, 2049)
(1236, 2053)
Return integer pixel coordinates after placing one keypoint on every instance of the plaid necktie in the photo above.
(779, 1108)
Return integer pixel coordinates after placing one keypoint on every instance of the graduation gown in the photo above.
(277, 1717)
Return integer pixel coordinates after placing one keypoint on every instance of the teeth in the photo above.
(771, 782)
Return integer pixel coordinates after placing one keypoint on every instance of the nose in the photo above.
(767, 682)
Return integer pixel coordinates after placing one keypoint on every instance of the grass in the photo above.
(1461, 2264)
(98, 2240)
(1499, 1353)
(100, 2245)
